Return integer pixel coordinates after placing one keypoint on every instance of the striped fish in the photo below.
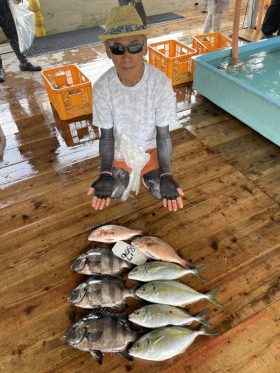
(99, 261)
(101, 291)
(99, 332)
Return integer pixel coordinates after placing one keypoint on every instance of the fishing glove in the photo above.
(103, 186)
(168, 187)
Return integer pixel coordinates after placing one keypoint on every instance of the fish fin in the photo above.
(125, 355)
(101, 311)
(140, 233)
(205, 322)
(109, 312)
(211, 296)
(206, 331)
(196, 272)
(133, 291)
(99, 276)
(94, 336)
(201, 316)
(97, 355)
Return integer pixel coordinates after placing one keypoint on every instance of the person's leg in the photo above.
(151, 181)
(121, 180)
(123, 2)
(138, 6)
(208, 24)
(2, 71)
(9, 29)
(271, 19)
(216, 23)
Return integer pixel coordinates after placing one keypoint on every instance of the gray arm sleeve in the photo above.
(106, 149)
(164, 149)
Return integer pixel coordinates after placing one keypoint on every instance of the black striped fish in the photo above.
(99, 332)
(99, 261)
(101, 291)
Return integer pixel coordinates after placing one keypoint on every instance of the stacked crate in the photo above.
(175, 59)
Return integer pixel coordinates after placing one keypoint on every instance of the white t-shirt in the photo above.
(134, 111)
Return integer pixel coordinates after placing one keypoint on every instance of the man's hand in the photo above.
(171, 193)
(101, 190)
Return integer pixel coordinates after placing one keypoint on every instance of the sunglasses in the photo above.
(120, 49)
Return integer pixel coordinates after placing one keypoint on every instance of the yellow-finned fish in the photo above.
(159, 270)
(165, 343)
(158, 315)
(173, 293)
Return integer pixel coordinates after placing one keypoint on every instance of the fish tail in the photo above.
(196, 272)
(201, 317)
(205, 331)
(211, 296)
(183, 262)
(131, 292)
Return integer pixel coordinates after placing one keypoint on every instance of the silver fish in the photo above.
(113, 233)
(173, 293)
(165, 343)
(158, 315)
(99, 291)
(99, 261)
(101, 332)
(159, 270)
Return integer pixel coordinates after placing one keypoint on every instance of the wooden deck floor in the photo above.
(230, 222)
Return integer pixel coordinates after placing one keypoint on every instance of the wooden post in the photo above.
(260, 15)
(235, 31)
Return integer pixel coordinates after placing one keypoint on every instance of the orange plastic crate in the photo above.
(210, 42)
(173, 59)
(69, 91)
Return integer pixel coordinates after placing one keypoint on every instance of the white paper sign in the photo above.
(129, 253)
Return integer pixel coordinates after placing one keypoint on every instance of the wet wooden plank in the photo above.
(244, 348)
(224, 131)
(243, 292)
(250, 34)
(230, 223)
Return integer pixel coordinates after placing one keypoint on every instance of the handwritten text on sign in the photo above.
(129, 253)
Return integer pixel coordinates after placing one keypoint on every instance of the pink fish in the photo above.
(113, 233)
(155, 248)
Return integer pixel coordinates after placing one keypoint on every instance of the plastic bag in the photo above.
(135, 158)
(25, 24)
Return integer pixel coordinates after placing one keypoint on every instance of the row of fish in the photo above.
(101, 291)
(103, 261)
(152, 247)
(107, 331)
(101, 331)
